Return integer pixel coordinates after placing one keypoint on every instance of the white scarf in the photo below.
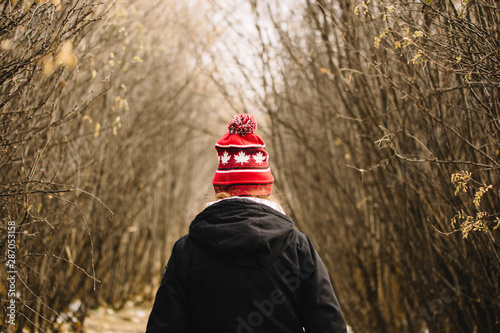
(266, 202)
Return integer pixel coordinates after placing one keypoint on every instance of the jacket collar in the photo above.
(269, 203)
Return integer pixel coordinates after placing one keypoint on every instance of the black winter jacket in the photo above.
(243, 268)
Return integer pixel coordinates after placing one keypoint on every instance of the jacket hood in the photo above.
(243, 232)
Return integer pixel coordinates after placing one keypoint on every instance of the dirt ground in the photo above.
(130, 319)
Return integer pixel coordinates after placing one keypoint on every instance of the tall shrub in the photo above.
(104, 122)
(385, 137)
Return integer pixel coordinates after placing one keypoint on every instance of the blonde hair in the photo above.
(272, 197)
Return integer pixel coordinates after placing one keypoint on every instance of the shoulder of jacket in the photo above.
(181, 244)
(302, 240)
(305, 247)
(181, 254)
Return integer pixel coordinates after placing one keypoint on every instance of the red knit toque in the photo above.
(243, 161)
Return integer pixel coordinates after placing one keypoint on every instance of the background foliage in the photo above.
(101, 132)
(384, 121)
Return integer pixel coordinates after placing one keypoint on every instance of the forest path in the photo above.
(130, 319)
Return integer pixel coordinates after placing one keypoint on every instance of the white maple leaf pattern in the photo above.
(225, 158)
(259, 158)
(241, 158)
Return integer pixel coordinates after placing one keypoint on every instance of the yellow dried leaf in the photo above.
(47, 65)
(65, 56)
(118, 103)
(418, 34)
(6, 44)
(97, 129)
(27, 7)
(324, 70)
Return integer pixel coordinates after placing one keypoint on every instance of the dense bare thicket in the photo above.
(104, 119)
(385, 130)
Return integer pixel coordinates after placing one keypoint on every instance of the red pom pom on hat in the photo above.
(242, 124)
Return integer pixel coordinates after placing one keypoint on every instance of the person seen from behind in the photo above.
(243, 267)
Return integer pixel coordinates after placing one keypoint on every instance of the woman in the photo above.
(243, 267)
